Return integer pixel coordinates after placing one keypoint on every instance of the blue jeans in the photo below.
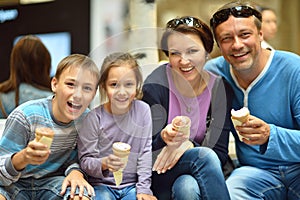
(282, 182)
(197, 175)
(106, 193)
(35, 189)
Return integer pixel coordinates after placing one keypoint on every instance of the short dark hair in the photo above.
(237, 8)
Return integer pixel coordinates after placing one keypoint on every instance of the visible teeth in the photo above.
(187, 69)
(76, 106)
(122, 100)
(241, 54)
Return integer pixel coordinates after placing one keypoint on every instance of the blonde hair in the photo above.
(116, 60)
(77, 60)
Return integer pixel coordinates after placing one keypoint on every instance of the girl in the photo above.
(119, 118)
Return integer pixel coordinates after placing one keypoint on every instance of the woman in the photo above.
(188, 168)
(30, 64)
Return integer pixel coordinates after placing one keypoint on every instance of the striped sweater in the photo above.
(19, 131)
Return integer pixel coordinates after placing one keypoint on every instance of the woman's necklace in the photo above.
(188, 109)
(188, 103)
(190, 100)
(187, 93)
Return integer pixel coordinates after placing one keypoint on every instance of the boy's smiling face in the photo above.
(74, 91)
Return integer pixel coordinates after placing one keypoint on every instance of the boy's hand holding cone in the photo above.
(44, 135)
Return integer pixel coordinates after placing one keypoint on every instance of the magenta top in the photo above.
(196, 108)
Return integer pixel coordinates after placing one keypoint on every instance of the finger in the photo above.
(175, 160)
(168, 162)
(138, 197)
(160, 161)
(64, 187)
(156, 163)
(37, 146)
(90, 190)
(73, 189)
(81, 190)
(180, 138)
(171, 131)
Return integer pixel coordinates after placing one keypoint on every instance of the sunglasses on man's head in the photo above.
(188, 21)
(238, 11)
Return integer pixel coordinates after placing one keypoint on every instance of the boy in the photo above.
(32, 170)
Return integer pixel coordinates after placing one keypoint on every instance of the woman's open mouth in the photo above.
(186, 69)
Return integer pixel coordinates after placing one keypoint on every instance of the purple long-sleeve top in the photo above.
(101, 129)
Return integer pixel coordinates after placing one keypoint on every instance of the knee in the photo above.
(185, 186)
(206, 156)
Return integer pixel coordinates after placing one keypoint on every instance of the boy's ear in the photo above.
(54, 84)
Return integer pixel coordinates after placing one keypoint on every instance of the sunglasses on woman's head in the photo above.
(238, 11)
(188, 21)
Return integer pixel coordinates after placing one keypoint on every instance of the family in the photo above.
(164, 163)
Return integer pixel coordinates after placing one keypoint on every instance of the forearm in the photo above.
(8, 174)
(288, 140)
(144, 174)
(19, 160)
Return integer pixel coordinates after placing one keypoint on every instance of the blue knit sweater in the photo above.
(275, 98)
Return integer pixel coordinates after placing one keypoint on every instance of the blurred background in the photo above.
(97, 27)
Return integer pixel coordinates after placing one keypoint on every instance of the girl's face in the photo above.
(186, 54)
(121, 86)
(74, 91)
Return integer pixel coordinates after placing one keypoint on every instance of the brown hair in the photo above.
(116, 60)
(77, 60)
(236, 3)
(203, 31)
(30, 62)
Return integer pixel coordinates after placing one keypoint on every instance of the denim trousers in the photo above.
(280, 183)
(48, 188)
(197, 175)
(107, 193)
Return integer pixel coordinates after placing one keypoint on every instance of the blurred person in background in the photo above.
(30, 64)
(268, 26)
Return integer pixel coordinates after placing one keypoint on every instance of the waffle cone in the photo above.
(122, 150)
(118, 176)
(182, 124)
(44, 135)
(239, 117)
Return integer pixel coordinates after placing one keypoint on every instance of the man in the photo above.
(269, 26)
(268, 83)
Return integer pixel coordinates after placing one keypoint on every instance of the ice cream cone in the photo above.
(44, 135)
(122, 150)
(182, 124)
(239, 117)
